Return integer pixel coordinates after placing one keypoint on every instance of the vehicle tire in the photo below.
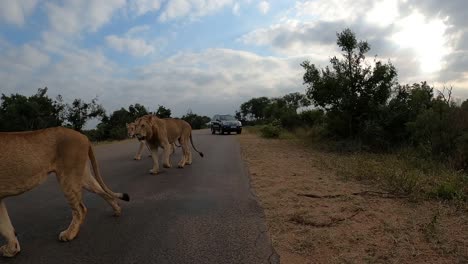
(239, 131)
(213, 131)
(221, 132)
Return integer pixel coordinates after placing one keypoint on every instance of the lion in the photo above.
(163, 133)
(26, 160)
(131, 134)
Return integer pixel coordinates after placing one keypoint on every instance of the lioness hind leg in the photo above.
(91, 184)
(71, 187)
(189, 157)
(6, 230)
(185, 151)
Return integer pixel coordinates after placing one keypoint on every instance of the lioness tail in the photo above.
(191, 141)
(97, 175)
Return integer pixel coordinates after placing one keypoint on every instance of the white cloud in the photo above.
(136, 47)
(77, 74)
(263, 7)
(24, 58)
(21, 66)
(419, 45)
(383, 13)
(214, 80)
(132, 42)
(138, 30)
(141, 7)
(217, 80)
(74, 16)
(191, 8)
(426, 38)
(333, 10)
(236, 9)
(292, 38)
(15, 12)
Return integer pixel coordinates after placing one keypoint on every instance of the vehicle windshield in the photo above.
(227, 118)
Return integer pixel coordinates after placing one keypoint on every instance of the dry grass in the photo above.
(339, 222)
(401, 174)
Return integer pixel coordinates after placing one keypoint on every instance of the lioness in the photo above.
(26, 160)
(163, 133)
(131, 134)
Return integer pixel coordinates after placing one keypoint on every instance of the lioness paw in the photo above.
(137, 158)
(11, 251)
(65, 236)
(154, 172)
(117, 212)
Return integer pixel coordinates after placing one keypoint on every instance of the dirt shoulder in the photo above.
(314, 216)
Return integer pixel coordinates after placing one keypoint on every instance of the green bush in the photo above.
(461, 156)
(118, 133)
(272, 130)
(311, 117)
(449, 190)
(290, 120)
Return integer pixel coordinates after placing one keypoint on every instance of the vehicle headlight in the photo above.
(239, 123)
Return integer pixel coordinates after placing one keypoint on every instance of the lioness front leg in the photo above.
(140, 149)
(154, 155)
(6, 230)
(168, 149)
(149, 149)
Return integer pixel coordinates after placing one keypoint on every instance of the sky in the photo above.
(209, 56)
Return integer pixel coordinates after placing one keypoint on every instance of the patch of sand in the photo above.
(348, 228)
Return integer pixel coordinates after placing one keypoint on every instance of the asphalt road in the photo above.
(204, 213)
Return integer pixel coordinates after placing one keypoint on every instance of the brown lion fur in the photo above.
(26, 160)
(164, 133)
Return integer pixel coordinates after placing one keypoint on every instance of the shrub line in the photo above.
(363, 193)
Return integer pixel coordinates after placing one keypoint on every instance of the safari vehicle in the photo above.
(225, 124)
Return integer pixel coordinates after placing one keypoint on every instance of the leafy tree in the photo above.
(238, 115)
(296, 100)
(254, 108)
(353, 94)
(311, 117)
(285, 108)
(404, 107)
(113, 127)
(163, 112)
(20, 113)
(137, 111)
(79, 112)
(196, 121)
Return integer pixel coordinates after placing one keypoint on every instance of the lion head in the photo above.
(143, 128)
(131, 129)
